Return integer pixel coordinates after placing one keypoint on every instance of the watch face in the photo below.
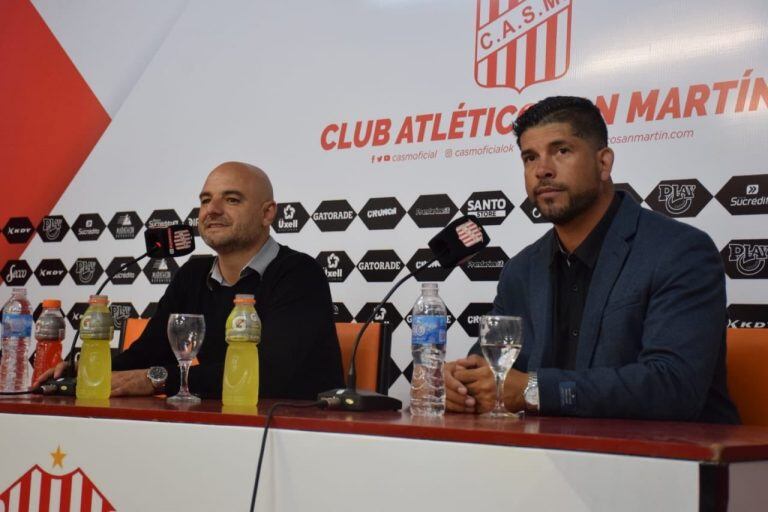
(157, 374)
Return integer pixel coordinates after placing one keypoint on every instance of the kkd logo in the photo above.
(528, 43)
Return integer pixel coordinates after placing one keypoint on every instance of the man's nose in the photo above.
(545, 167)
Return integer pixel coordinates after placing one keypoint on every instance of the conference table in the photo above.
(144, 454)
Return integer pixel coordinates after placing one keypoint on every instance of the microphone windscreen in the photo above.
(459, 241)
(171, 241)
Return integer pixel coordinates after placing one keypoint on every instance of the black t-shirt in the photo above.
(299, 353)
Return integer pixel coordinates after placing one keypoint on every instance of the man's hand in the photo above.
(476, 376)
(52, 373)
(514, 385)
(456, 397)
(131, 383)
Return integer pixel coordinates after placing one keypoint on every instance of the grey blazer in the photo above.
(652, 338)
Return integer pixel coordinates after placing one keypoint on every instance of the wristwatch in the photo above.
(157, 375)
(531, 393)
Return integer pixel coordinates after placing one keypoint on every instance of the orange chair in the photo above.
(132, 329)
(372, 360)
(747, 363)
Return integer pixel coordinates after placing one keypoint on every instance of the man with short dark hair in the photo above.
(623, 309)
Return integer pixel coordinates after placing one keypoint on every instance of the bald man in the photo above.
(299, 353)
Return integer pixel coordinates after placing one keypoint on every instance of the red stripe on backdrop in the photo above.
(50, 121)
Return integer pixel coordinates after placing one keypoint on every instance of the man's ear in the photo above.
(605, 163)
(270, 210)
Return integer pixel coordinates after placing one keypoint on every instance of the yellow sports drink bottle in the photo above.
(94, 372)
(241, 366)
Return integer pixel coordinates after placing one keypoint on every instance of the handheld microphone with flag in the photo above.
(454, 245)
(169, 242)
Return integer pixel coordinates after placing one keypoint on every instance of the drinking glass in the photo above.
(185, 334)
(501, 339)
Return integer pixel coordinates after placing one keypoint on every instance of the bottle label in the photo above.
(428, 329)
(16, 325)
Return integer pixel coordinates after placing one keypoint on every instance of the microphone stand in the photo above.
(352, 399)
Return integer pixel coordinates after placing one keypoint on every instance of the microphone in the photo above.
(170, 242)
(455, 244)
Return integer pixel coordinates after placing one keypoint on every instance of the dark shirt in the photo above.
(571, 275)
(299, 353)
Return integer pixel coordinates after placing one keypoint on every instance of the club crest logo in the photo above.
(519, 43)
(37, 489)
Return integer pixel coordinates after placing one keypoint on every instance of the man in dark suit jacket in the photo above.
(623, 309)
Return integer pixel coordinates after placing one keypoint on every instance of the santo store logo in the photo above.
(489, 208)
(521, 42)
(52, 228)
(679, 198)
(290, 218)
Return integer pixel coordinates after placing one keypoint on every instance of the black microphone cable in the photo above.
(320, 404)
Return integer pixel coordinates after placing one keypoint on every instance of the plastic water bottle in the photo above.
(241, 366)
(428, 335)
(16, 338)
(94, 371)
(50, 329)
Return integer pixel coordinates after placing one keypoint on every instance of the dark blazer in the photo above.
(652, 340)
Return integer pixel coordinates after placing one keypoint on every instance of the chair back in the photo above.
(372, 361)
(132, 329)
(747, 363)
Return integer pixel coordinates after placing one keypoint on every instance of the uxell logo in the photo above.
(521, 42)
(679, 198)
(336, 265)
(290, 218)
(745, 259)
(52, 228)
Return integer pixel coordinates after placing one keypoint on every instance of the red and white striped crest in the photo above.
(38, 490)
(469, 233)
(521, 42)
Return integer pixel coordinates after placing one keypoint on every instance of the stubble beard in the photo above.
(577, 204)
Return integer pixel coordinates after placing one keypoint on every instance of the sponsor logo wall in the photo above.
(379, 142)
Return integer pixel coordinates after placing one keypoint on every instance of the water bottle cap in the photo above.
(52, 303)
(429, 286)
(243, 298)
(98, 299)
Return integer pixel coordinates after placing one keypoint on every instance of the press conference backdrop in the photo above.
(378, 123)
